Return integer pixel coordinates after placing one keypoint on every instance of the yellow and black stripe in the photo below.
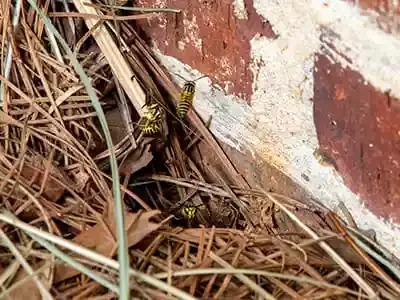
(188, 212)
(186, 100)
(151, 122)
(187, 96)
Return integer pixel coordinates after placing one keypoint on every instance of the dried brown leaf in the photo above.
(137, 229)
(139, 159)
(98, 239)
(117, 128)
(35, 172)
(28, 289)
(81, 179)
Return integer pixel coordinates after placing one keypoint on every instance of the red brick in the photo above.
(377, 5)
(359, 127)
(225, 49)
(388, 15)
(388, 18)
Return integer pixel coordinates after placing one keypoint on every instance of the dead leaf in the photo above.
(137, 230)
(33, 171)
(81, 179)
(29, 289)
(116, 125)
(98, 239)
(139, 159)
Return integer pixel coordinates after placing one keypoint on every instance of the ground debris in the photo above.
(235, 240)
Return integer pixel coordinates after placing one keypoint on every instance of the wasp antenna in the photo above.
(200, 78)
(148, 100)
(181, 77)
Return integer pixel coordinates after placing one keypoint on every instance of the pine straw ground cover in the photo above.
(62, 182)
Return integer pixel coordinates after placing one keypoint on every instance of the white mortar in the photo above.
(279, 124)
(239, 9)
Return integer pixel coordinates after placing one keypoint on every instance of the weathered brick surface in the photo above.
(381, 6)
(388, 13)
(209, 37)
(359, 127)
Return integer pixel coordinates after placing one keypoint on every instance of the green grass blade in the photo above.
(28, 269)
(8, 217)
(73, 263)
(119, 213)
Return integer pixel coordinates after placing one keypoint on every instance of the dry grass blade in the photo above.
(40, 71)
(290, 252)
(252, 285)
(44, 291)
(385, 258)
(195, 184)
(89, 254)
(216, 271)
(102, 17)
(117, 62)
(373, 265)
(140, 9)
(342, 263)
(8, 61)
